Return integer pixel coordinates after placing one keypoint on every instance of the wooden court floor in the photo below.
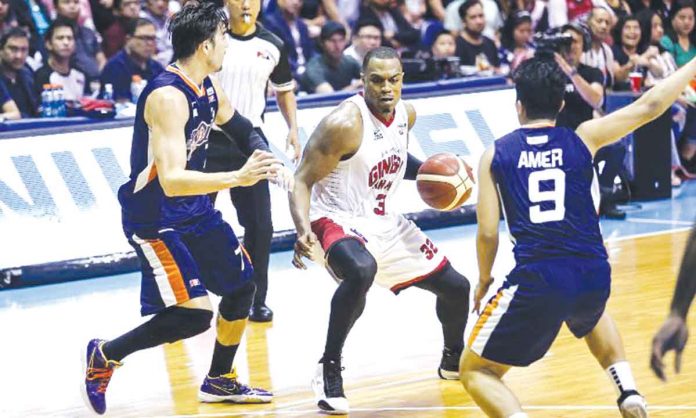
(390, 357)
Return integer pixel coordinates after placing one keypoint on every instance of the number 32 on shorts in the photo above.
(428, 249)
(555, 194)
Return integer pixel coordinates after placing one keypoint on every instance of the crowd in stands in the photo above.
(86, 45)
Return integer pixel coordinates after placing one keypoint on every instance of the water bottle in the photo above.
(47, 101)
(59, 98)
(137, 87)
(108, 92)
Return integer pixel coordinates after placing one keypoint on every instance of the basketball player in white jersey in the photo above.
(342, 201)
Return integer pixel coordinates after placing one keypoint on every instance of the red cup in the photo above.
(636, 81)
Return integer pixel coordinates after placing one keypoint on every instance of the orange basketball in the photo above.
(445, 181)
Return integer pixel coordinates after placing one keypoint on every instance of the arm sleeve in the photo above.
(412, 166)
(281, 77)
(240, 130)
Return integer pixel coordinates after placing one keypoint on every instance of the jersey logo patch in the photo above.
(211, 94)
(199, 136)
(377, 134)
(262, 54)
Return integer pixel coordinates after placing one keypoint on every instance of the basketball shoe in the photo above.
(449, 364)
(226, 388)
(327, 385)
(632, 405)
(98, 371)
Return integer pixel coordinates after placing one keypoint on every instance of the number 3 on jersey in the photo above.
(556, 195)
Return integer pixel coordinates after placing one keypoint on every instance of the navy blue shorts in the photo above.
(519, 323)
(178, 265)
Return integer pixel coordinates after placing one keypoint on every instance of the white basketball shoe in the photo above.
(327, 385)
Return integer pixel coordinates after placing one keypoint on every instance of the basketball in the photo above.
(444, 181)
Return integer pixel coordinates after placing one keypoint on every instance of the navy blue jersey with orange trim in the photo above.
(550, 194)
(144, 205)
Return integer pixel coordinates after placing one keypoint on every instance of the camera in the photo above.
(551, 42)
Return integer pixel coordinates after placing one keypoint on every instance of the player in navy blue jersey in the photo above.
(543, 176)
(184, 246)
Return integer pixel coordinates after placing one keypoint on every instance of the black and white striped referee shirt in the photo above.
(250, 63)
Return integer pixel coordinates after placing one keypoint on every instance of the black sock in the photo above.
(170, 325)
(223, 357)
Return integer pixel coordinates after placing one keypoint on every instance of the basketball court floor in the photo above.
(390, 358)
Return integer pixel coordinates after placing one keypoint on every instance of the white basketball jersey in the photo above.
(361, 186)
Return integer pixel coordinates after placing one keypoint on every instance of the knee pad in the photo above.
(236, 305)
(181, 323)
(350, 261)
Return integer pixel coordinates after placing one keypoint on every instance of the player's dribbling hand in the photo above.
(261, 165)
(672, 336)
(480, 293)
(303, 248)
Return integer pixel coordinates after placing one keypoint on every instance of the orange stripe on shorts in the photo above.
(487, 312)
(176, 280)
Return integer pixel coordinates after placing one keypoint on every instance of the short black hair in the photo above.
(468, 4)
(13, 32)
(194, 24)
(364, 22)
(382, 52)
(60, 22)
(133, 24)
(540, 86)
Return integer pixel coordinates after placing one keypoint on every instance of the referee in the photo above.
(254, 56)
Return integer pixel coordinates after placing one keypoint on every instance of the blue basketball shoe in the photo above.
(98, 371)
(226, 388)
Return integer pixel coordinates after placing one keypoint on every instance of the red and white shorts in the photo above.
(404, 254)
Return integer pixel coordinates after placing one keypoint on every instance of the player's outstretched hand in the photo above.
(292, 142)
(480, 293)
(261, 165)
(285, 179)
(303, 248)
(672, 336)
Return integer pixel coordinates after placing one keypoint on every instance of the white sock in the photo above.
(621, 376)
(519, 415)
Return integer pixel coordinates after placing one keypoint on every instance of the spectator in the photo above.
(584, 95)
(331, 70)
(8, 109)
(491, 12)
(8, 18)
(60, 44)
(516, 40)
(34, 18)
(538, 11)
(584, 91)
(680, 38)
(439, 62)
(619, 9)
(600, 55)
(367, 35)
(474, 49)
(157, 12)
(15, 75)
(89, 57)
(84, 18)
(397, 32)
(285, 22)
(632, 53)
(102, 14)
(680, 41)
(136, 58)
(115, 35)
